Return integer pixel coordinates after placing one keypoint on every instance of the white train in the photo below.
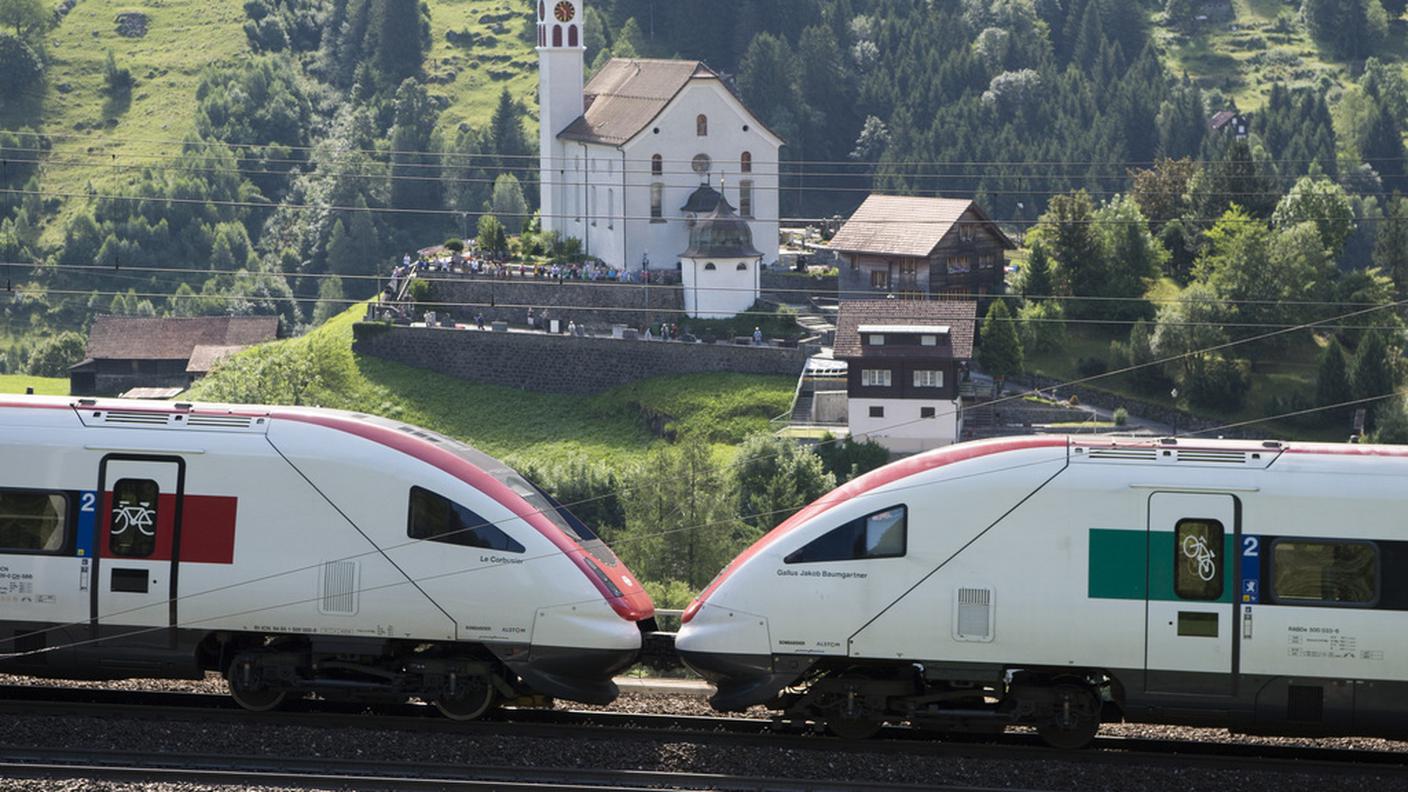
(1051, 582)
(297, 550)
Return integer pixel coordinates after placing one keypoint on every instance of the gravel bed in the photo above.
(368, 742)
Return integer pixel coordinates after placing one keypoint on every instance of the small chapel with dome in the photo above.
(650, 157)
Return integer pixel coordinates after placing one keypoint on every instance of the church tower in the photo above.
(561, 67)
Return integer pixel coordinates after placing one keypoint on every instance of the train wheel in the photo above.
(473, 697)
(854, 728)
(1077, 717)
(256, 698)
(249, 691)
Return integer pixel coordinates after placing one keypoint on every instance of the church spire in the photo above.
(561, 67)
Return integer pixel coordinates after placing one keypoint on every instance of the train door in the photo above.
(1189, 616)
(134, 600)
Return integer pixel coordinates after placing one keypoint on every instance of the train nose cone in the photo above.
(731, 649)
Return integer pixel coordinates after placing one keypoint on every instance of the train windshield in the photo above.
(536, 498)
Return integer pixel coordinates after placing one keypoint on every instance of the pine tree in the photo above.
(396, 27)
(1332, 385)
(506, 134)
(1000, 353)
(330, 300)
(1036, 274)
(508, 203)
(413, 164)
(1381, 146)
(1391, 245)
(1373, 372)
(1069, 227)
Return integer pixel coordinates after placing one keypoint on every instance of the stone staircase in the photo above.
(802, 408)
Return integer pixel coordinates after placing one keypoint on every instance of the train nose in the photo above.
(731, 649)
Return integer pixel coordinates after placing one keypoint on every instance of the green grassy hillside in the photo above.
(477, 50)
(1266, 42)
(519, 426)
(43, 386)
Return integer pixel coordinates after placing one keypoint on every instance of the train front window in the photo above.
(32, 522)
(881, 534)
(1323, 572)
(438, 519)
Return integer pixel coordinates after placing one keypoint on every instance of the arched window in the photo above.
(657, 202)
(745, 197)
(571, 35)
(542, 10)
(701, 125)
(710, 266)
(557, 35)
(657, 165)
(593, 208)
(610, 207)
(745, 162)
(742, 266)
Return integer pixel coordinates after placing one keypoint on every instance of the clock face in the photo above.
(701, 163)
(564, 11)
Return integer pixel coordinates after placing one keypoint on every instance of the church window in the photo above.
(742, 266)
(657, 165)
(593, 209)
(557, 35)
(657, 201)
(701, 125)
(571, 35)
(542, 10)
(611, 207)
(710, 266)
(745, 162)
(745, 197)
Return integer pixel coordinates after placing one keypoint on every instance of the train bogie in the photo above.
(1053, 583)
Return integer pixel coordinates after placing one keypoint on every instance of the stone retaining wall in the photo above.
(1186, 422)
(563, 364)
(795, 287)
(599, 304)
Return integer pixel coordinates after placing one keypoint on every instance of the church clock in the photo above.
(564, 11)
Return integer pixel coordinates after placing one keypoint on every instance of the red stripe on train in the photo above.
(207, 529)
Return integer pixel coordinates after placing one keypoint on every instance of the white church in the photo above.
(634, 161)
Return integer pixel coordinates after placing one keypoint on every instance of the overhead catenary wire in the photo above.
(606, 284)
(1085, 165)
(580, 216)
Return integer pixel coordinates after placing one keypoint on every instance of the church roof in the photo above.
(900, 225)
(704, 199)
(629, 93)
(720, 234)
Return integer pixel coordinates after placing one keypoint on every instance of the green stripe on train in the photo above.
(1120, 569)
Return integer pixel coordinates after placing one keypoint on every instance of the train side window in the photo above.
(881, 534)
(32, 522)
(1324, 572)
(132, 531)
(1198, 562)
(438, 519)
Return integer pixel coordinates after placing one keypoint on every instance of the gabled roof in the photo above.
(1222, 118)
(629, 93)
(959, 315)
(901, 225)
(205, 356)
(174, 338)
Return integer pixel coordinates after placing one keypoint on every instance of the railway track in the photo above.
(722, 732)
(274, 771)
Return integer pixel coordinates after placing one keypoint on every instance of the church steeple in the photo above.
(561, 67)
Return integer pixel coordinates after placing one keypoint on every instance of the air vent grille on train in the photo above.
(972, 614)
(1202, 455)
(339, 588)
(140, 418)
(219, 421)
(1139, 454)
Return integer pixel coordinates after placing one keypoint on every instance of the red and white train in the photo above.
(297, 550)
(1050, 582)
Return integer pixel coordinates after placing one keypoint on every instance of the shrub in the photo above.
(455, 244)
(1121, 416)
(1218, 383)
(1092, 366)
(53, 357)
